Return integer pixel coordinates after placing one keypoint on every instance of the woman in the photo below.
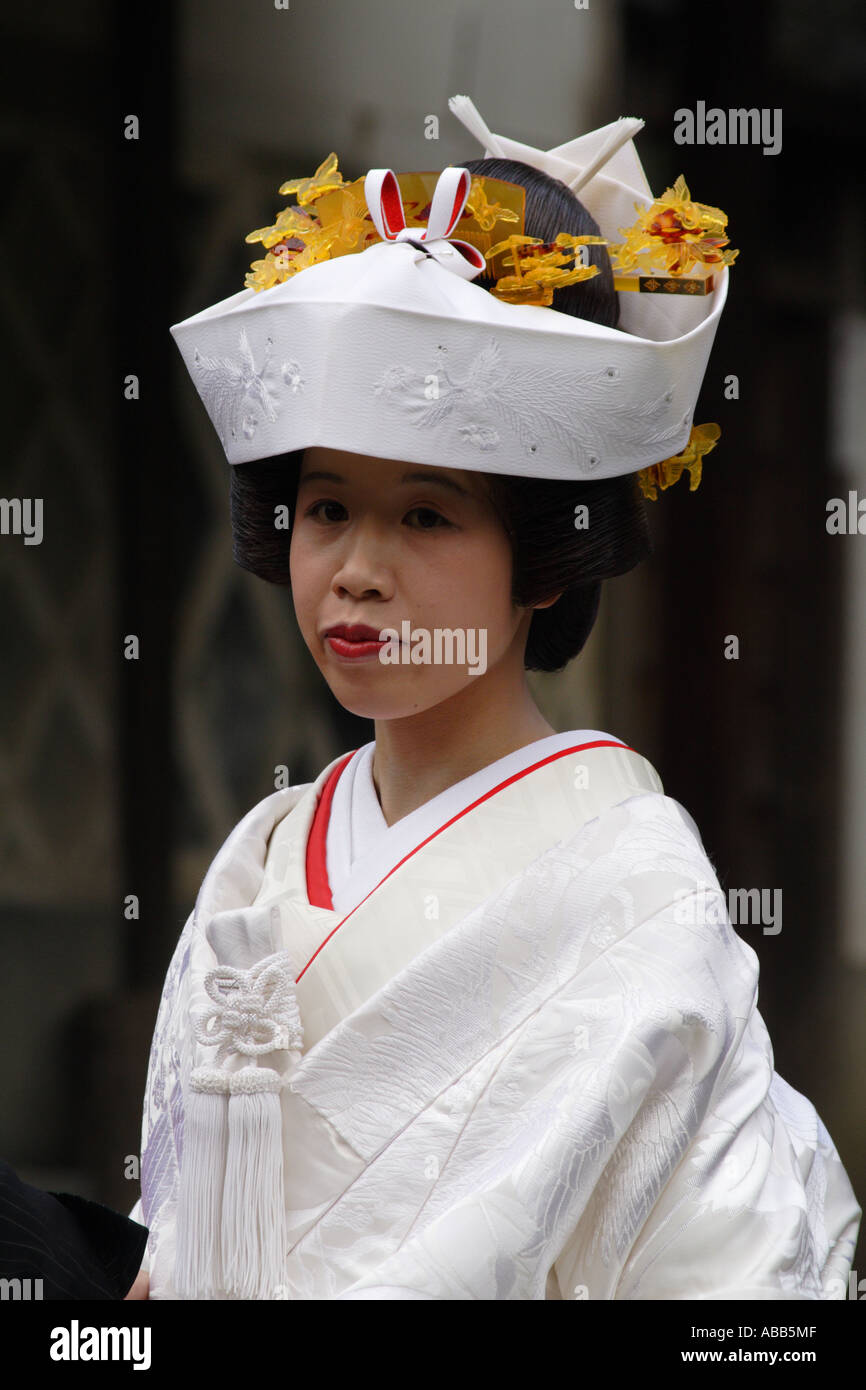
(466, 1018)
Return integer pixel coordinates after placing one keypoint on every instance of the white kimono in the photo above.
(513, 1065)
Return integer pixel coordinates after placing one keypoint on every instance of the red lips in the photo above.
(354, 632)
(354, 641)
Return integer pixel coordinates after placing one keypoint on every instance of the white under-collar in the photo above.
(361, 848)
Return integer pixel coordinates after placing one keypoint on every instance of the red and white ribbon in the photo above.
(382, 192)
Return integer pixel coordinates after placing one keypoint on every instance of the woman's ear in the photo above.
(548, 602)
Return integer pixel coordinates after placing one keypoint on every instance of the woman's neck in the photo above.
(420, 755)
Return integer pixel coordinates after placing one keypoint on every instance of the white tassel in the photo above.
(625, 128)
(466, 111)
(254, 1213)
(199, 1209)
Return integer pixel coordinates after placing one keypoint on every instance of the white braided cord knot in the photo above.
(256, 1010)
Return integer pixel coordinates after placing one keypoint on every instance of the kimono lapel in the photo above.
(461, 865)
(254, 898)
(257, 872)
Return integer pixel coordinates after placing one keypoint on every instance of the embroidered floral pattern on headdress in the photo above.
(486, 395)
(227, 387)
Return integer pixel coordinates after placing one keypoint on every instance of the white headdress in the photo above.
(395, 353)
(390, 349)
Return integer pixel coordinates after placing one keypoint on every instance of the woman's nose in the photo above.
(364, 564)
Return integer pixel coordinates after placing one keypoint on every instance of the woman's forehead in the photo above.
(343, 464)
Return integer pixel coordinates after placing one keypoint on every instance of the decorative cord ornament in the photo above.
(231, 1209)
(382, 192)
(256, 1010)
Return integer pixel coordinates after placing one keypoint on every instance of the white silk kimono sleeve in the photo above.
(162, 1120)
(759, 1207)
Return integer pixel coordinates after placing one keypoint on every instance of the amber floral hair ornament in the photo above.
(541, 267)
(341, 221)
(366, 324)
(663, 475)
(670, 238)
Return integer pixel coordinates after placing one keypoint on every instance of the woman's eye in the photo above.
(428, 512)
(329, 510)
(315, 509)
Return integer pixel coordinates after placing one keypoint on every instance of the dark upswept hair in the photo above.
(550, 556)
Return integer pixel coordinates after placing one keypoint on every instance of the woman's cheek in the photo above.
(302, 562)
(303, 591)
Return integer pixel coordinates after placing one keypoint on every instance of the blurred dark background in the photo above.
(121, 778)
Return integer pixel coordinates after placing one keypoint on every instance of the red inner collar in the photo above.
(318, 887)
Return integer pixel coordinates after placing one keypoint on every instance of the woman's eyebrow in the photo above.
(434, 478)
(320, 476)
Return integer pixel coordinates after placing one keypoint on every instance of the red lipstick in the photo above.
(353, 640)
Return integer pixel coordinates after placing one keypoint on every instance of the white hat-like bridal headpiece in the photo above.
(362, 329)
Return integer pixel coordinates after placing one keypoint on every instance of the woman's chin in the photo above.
(372, 708)
(381, 703)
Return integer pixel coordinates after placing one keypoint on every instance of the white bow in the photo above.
(382, 192)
